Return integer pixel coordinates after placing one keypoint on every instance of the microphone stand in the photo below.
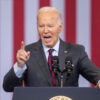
(58, 71)
(68, 68)
(61, 77)
(68, 71)
(61, 73)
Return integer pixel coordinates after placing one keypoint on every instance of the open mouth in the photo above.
(47, 38)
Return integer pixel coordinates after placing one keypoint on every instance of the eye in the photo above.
(50, 26)
(41, 25)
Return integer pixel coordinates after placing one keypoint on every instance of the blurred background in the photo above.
(81, 19)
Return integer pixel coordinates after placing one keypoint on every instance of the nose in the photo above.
(46, 29)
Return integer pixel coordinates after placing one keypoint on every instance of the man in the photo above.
(32, 60)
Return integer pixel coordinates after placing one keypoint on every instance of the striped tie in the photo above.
(50, 67)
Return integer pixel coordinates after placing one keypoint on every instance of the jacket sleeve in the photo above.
(87, 68)
(11, 80)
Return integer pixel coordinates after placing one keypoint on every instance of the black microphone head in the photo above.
(68, 59)
(55, 64)
(55, 60)
(68, 65)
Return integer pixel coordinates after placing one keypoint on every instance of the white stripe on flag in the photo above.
(83, 28)
(5, 43)
(31, 8)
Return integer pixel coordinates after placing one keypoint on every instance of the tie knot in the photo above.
(50, 51)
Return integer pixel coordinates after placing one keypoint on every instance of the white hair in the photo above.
(51, 9)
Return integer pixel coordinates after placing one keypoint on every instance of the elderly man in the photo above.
(34, 66)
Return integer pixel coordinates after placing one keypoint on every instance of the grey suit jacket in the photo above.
(38, 74)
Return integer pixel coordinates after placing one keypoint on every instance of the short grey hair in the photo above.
(50, 9)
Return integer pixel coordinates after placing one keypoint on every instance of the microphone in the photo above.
(55, 64)
(68, 65)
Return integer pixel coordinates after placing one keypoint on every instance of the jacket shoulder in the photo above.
(73, 45)
(33, 46)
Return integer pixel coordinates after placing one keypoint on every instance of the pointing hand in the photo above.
(22, 55)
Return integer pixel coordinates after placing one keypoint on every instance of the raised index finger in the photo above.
(22, 45)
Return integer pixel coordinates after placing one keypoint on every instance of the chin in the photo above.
(49, 45)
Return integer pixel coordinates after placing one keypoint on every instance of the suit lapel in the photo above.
(64, 51)
(43, 65)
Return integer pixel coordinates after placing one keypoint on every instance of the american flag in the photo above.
(81, 19)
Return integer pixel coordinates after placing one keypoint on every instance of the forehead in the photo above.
(47, 15)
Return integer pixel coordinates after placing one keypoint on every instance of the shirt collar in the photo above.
(56, 46)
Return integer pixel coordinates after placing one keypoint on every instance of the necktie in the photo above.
(50, 67)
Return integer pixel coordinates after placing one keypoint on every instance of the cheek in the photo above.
(59, 29)
(56, 33)
(40, 32)
(55, 37)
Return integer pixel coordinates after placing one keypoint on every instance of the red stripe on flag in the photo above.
(18, 24)
(95, 28)
(44, 3)
(70, 13)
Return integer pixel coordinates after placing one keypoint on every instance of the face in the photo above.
(48, 28)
